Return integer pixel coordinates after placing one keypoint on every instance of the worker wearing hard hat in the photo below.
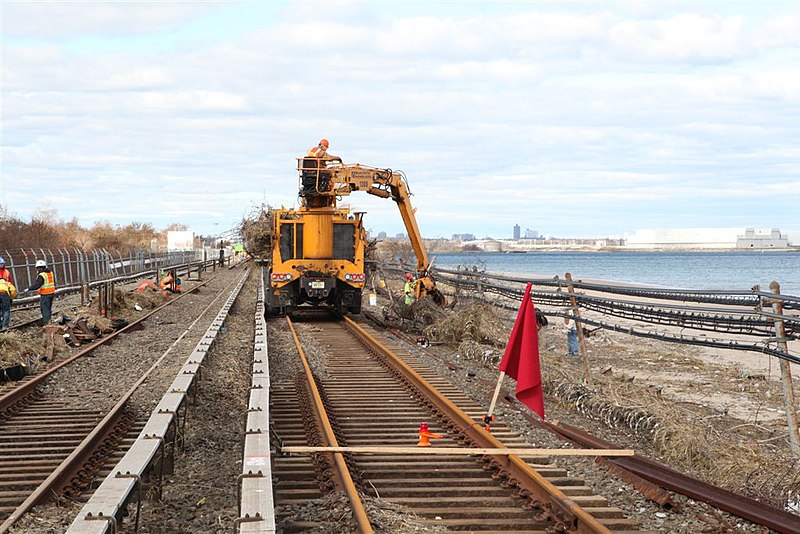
(408, 289)
(5, 273)
(321, 151)
(317, 158)
(45, 285)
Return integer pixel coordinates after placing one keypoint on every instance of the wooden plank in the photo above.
(298, 449)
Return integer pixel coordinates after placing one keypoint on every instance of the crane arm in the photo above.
(384, 183)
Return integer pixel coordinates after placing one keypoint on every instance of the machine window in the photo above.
(344, 242)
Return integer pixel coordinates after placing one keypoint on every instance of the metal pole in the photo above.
(576, 313)
(786, 374)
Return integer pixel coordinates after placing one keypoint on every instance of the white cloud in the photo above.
(684, 37)
(58, 20)
(495, 117)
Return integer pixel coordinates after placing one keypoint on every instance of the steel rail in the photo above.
(157, 426)
(341, 472)
(528, 479)
(739, 505)
(26, 388)
(87, 446)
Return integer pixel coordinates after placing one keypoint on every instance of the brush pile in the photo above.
(478, 323)
(19, 349)
(256, 232)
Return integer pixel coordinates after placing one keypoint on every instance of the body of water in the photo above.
(678, 270)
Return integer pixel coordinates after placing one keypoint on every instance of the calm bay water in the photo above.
(680, 270)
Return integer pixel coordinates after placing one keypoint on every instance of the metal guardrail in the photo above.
(256, 501)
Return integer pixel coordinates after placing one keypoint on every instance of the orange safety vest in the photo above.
(5, 273)
(316, 152)
(49, 286)
(165, 282)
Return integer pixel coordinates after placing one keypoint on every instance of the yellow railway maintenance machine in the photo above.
(318, 249)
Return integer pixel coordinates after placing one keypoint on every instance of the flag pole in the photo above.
(489, 417)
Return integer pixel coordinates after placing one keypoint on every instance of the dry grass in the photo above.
(477, 322)
(19, 348)
(679, 436)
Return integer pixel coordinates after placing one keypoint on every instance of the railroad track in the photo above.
(56, 443)
(373, 402)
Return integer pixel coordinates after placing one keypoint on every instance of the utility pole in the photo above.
(786, 373)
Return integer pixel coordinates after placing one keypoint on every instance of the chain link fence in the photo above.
(74, 268)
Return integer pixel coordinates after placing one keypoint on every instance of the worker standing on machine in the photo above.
(317, 158)
(408, 289)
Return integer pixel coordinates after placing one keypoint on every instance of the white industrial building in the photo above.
(708, 238)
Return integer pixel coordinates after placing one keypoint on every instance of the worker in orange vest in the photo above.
(170, 282)
(45, 284)
(5, 273)
(317, 158)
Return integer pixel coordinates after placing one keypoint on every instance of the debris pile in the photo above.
(478, 323)
(19, 354)
(256, 232)
(420, 314)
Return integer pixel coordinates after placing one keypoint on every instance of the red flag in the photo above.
(521, 360)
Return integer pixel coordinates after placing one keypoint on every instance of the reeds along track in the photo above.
(49, 440)
(375, 397)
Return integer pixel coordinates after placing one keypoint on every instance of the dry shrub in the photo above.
(121, 299)
(17, 348)
(103, 324)
(421, 313)
(477, 322)
(150, 298)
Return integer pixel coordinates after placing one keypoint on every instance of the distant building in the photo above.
(706, 238)
(180, 241)
(463, 237)
(761, 238)
(531, 234)
(381, 235)
(516, 231)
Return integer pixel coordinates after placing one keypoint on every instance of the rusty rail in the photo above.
(27, 387)
(744, 507)
(341, 472)
(529, 481)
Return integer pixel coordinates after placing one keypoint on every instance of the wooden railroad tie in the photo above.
(300, 449)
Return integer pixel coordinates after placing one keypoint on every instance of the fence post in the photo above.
(581, 339)
(786, 373)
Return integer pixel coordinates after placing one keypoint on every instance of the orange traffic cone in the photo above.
(426, 435)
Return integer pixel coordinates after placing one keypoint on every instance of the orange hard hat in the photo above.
(409, 276)
(325, 143)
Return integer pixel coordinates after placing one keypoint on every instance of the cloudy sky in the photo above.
(573, 119)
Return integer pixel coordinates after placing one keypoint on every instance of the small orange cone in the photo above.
(426, 435)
